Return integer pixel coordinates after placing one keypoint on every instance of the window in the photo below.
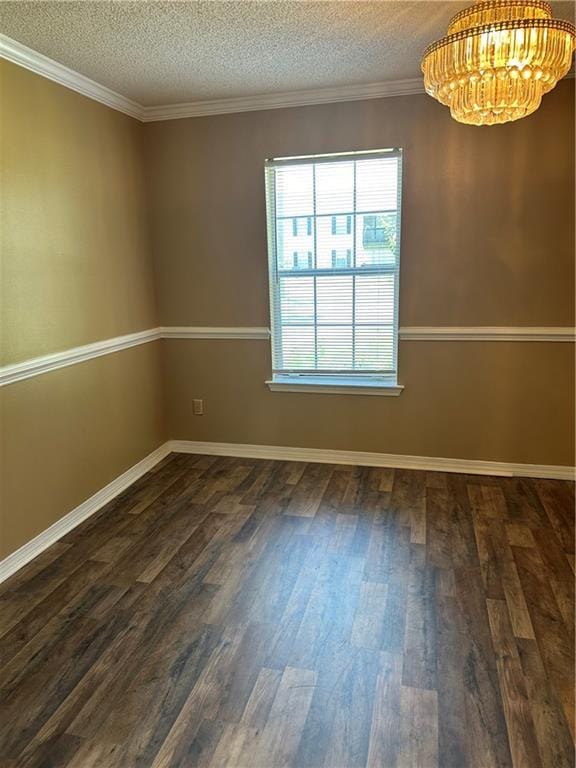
(302, 226)
(341, 225)
(302, 260)
(341, 258)
(374, 232)
(334, 301)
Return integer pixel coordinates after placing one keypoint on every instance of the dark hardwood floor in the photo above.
(235, 612)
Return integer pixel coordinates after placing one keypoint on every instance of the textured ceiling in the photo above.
(172, 52)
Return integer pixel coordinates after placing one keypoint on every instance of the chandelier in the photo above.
(499, 58)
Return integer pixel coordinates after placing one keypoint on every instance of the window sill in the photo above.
(336, 386)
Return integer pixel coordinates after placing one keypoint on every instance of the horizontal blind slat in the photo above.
(333, 266)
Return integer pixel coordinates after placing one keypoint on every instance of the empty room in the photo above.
(287, 384)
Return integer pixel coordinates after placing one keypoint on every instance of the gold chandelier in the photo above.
(499, 58)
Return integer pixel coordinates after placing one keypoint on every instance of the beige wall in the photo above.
(487, 239)
(75, 257)
(487, 220)
(75, 268)
(68, 433)
(462, 400)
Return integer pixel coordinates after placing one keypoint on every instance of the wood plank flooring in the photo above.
(264, 614)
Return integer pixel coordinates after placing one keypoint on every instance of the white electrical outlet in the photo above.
(198, 407)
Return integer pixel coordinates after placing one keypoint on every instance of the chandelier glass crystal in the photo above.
(499, 58)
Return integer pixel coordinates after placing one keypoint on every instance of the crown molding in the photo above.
(20, 54)
(381, 90)
(286, 99)
(13, 51)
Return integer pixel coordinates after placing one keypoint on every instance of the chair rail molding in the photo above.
(407, 333)
(199, 332)
(10, 374)
(486, 333)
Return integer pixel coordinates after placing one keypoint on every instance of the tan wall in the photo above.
(74, 241)
(492, 407)
(68, 433)
(75, 268)
(487, 239)
(487, 220)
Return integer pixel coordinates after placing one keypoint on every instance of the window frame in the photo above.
(373, 383)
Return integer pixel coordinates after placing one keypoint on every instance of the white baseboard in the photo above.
(39, 543)
(31, 549)
(362, 458)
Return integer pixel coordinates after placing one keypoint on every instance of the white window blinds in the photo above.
(334, 244)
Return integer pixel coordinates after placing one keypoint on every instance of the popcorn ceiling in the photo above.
(171, 52)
